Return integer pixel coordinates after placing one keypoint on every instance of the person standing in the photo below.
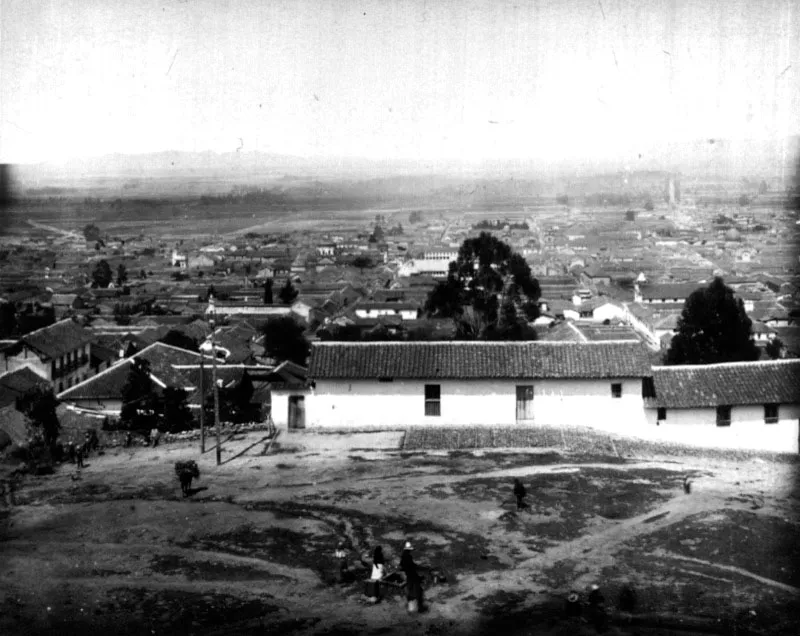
(519, 493)
(341, 557)
(372, 588)
(413, 581)
(79, 456)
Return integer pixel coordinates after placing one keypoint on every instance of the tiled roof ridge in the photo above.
(737, 363)
(58, 322)
(113, 367)
(489, 343)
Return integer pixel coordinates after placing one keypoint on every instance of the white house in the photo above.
(746, 405)
(371, 384)
(406, 311)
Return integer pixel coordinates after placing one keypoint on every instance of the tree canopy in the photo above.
(288, 292)
(91, 232)
(284, 340)
(102, 275)
(268, 292)
(181, 340)
(39, 406)
(713, 327)
(488, 290)
(140, 401)
(175, 413)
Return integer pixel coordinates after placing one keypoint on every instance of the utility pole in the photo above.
(216, 388)
(202, 405)
(213, 322)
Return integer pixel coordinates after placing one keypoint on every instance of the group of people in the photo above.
(413, 580)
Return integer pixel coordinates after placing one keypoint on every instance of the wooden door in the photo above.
(524, 402)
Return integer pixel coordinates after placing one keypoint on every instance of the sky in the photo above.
(393, 79)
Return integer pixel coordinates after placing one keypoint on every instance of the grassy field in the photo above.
(117, 549)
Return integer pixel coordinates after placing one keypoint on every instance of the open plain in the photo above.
(117, 549)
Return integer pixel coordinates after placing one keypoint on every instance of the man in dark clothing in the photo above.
(519, 493)
(71, 452)
(413, 580)
(79, 456)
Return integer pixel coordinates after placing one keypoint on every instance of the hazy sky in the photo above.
(393, 78)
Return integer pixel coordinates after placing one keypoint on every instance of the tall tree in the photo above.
(122, 275)
(713, 327)
(39, 406)
(101, 275)
(268, 292)
(8, 319)
(288, 293)
(486, 275)
(140, 401)
(284, 340)
(175, 414)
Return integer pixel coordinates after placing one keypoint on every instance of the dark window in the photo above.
(525, 402)
(648, 388)
(385, 379)
(433, 400)
(770, 414)
(616, 390)
(723, 416)
(662, 413)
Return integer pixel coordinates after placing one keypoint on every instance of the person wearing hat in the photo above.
(519, 493)
(597, 610)
(413, 581)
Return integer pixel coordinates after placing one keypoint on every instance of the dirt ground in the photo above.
(117, 549)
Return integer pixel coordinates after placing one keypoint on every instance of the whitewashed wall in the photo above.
(366, 404)
(698, 427)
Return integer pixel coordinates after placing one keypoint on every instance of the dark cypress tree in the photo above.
(713, 327)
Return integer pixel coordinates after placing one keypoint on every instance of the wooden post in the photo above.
(202, 405)
(216, 392)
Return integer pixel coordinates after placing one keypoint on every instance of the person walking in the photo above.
(79, 456)
(519, 493)
(413, 581)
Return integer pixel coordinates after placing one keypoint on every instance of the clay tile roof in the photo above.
(477, 360)
(730, 383)
(57, 339)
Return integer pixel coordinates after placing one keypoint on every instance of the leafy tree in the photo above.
(101, 275)
(562, 199)
(142, 274)
(234, 403)
(774, 348)
(630, 215)
(140, 402)
(713, 327)
(363, 262)
(91, 232)
(486, 275)
(288, 293)
(176, 416)
(268, 300)
(39, 406)
(284, 340)
(744, 200)
(377, 235)
(181, 340)
(8, 319)
(122, 275)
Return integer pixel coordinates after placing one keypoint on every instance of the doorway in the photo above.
(297, 411)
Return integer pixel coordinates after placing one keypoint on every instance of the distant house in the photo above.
(201, 261)
(734, 405)
(59, 353)
(102, 393)
(326, 249)
(659, 294)
(406, 311)
(460, 383)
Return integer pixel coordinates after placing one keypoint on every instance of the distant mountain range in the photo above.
(723, 159)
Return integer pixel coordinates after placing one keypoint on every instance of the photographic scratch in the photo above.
(784, 70)
(241, 144)
(316, 97)
(666, 52)
(614, 53)
(601, 9)
(173, 61)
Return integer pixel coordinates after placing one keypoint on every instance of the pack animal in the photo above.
(186, 472)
